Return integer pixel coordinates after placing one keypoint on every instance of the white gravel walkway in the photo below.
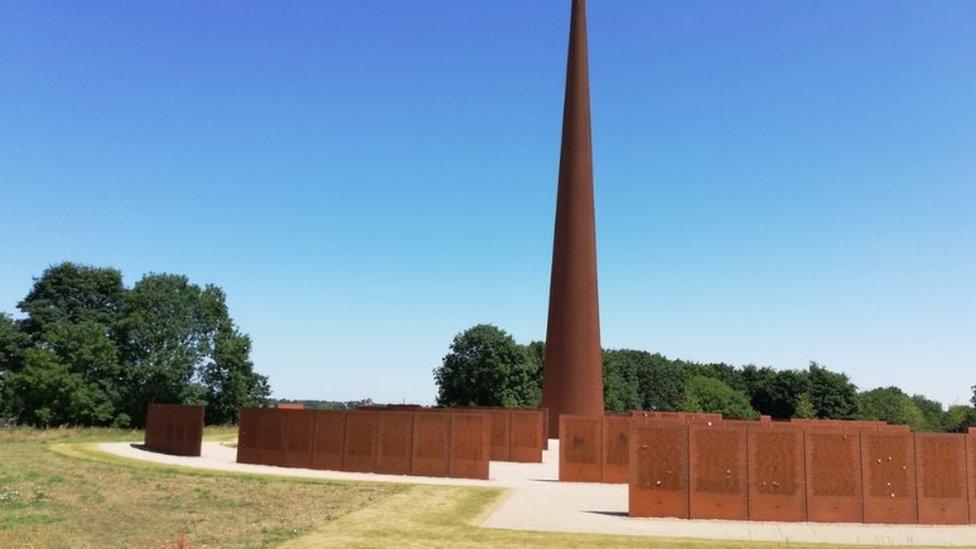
(536, 501)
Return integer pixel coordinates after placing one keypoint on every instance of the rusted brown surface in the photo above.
(525, 435)
(394, 442)
(943, 495)
(658, 484)
(777, 485)
(500, 420)
(581, 448)
(888, 468)
(833, 468)
(431, 444)
(717, 472)
(299, 429)
(174, 429)
(360, 446)
(616, 449)
(572, 382)
(545, 428)
(470, 445)
(273, 437)
(971, 463)
(249, 435)
(290, 406)
(329, 439)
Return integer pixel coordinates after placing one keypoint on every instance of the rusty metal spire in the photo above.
(573, 376)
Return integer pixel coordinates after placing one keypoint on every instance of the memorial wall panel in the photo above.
(329, 439)
(470, 445)
(525, 433)
(971, 462)
(272, 437)
(580, 448)
(717, 472)
(941, 476)
(501, 436)
(394, 443)
(616, 449)
(888, 469)
(360, 446)
(658, 484)
(175, 429)
(776, 474)
(299, 430)
(833, 467)
(248, 435)
(431, 444)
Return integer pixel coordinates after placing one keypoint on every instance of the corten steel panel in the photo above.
(299, 431)
(394, 442)
(616, 449)
(273, 437)
(658, 484)
(777, 484)
(545, 428)
(174, 429)
(249, 435)
(290, 406)
(329, 439)
(581, 448)
(943, 495)
(525, 435)
(360, 447)
(971, 463)
(470, 445)
(717, 472)
(501, 437)
(888, 469)
(431, 444)
(572, 383)
(833, 468)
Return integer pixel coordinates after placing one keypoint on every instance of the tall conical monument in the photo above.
(572, 381)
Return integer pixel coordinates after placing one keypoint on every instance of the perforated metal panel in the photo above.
(394, 446)
(174, 429)
(248, 435)
(470, 445)
(431, 444)
(272, 437)
(526, 435)
(833, 466)
(360, 447)
(580, 448)
(888, 467)
(501, 436)
(329, 439)
(616, 449)
(658, 484)
(299, 428)
(943, 497)
(718, 469)
(776, 474)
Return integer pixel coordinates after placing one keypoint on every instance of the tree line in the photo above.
(485, 366)
(89, 351)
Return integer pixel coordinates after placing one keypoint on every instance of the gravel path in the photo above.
(536, 501)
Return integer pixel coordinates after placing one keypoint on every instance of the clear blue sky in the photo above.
(776, 182)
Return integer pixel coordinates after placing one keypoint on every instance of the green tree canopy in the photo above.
(832, 394)
(890, 404)
(486, 367)
(775, 392)
(708, 394)
(70, 292)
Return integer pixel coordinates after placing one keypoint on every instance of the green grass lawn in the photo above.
(58, 490)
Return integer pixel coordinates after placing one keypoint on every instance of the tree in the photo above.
(485, 367)
(638, 380)
(832, 394)
(973, 400)
(13, 341)
(803, 408)
(773, 392)
(46, 393)
(708, 394)
(70, 292)
(230, 380)
(890, 404)
(958, 418)
(933, 414)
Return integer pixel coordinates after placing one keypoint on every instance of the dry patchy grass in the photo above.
(51, 499)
